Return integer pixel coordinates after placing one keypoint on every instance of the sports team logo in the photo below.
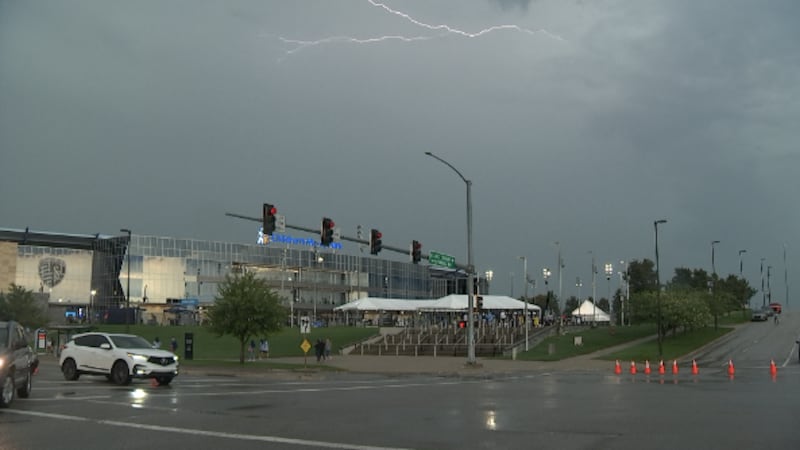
(52, 271)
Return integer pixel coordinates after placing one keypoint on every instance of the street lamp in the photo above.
(525, 297)
(470, 266)
(128, 290)
(625, 296)
(92, 293)
(763, 292)
(658, 292)
(769, 289)
(594, 289)
(609, 271)
(713, 282)
(319, 260)
(546, 275)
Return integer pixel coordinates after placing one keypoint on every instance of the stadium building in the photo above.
(151, 279)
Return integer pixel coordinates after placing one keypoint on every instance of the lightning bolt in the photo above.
(443, 29)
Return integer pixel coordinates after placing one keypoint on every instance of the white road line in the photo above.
(791, 355)
(196, 432)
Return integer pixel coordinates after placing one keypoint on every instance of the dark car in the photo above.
(18, 363)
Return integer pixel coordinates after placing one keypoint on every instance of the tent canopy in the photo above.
(448, 303)
(589, 313)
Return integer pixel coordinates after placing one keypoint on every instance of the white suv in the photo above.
(120, 357)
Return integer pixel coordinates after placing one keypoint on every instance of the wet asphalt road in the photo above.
(565, 410)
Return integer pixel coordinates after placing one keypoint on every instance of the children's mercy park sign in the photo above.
(286, 239)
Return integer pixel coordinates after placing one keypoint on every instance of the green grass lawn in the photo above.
(209, 346)
(674, 347)
(594, 339)
(604, 337)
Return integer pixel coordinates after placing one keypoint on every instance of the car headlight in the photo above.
(137, 357)
(2, 362)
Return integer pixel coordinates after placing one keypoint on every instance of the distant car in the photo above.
(759, 316)
(120, 357)
(775, 307)
(18, 363)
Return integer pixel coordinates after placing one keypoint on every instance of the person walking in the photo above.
(173, 344)
(319, 349)
(251, 350)
(156, 342)
(328, 348)
(263, 352)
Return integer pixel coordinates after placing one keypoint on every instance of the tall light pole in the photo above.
(128, 290)
(579, 285)
(560, 266)
(763, 292)
(525, 298)
(470, 265)
(741, 262)
(741, 277)
(594, 290)
(546, 275)
(769, 288)
(609, 271)
(658, 292)
(713, 285)
(92, 293)
(625, 292)
(785, 278)
(489, 275)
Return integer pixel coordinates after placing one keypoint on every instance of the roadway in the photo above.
(558, 408)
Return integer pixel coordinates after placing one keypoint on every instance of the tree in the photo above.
(245, 307)
(642, 276)
(20, 305)
(571, 305)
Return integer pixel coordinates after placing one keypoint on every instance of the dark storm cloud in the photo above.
(160, 117)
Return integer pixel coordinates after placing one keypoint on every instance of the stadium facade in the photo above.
(85, 277)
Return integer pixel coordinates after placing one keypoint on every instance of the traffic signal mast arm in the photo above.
(315, 231)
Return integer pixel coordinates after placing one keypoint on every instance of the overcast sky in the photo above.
(580, 122)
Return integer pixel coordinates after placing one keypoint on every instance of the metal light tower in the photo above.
(763, 292)
(609, 268)
(470, 265)
(525, 298)
(713, 285)
(658, 293)
(128, 290)
(785, 278)
(546, 275)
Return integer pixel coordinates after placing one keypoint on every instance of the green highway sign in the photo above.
(440, 259)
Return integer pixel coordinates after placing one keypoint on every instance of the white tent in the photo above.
(587, 312)
(459, 303)
(382, 304)
(449, 303)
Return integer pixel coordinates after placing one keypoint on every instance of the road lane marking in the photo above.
(196, 432)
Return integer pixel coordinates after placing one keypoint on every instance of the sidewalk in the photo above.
(448, 365)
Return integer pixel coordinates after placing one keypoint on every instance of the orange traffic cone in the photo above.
(695, 370)
(773, 369)
(661, 369)
(675, 367)
(617, 368)
(731, 369)
(633, 368)
(647, 367)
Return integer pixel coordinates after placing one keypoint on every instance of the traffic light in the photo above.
(269, 218)
(375, 242)
(326, 232)
(479, 302)
(416, 252)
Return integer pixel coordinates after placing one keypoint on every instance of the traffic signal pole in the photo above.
(315, 231)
